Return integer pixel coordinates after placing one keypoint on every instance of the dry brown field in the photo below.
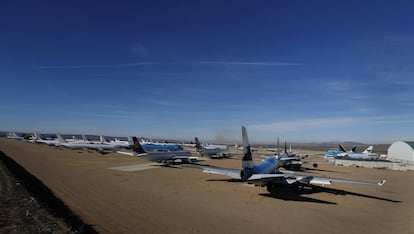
(185, 200)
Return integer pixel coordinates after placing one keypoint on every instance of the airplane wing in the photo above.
(230, 172)
(292, 178)
(287, 177)
(127, 153)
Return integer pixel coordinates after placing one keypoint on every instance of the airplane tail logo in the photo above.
(197, 143)
(369, 150)
(247, 161)
(342, 148)
(137, 146)
(354, 148)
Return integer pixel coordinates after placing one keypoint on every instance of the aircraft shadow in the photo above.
(226, 180)
(295, 193)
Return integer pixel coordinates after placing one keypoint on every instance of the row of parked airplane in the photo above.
(162, 152)
(268, 173)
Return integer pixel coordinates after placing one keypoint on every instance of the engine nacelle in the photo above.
(245, 174)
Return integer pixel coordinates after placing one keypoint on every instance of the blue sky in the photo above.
(306, 71)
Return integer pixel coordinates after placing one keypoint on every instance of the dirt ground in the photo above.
(185, 200)
(21, 212)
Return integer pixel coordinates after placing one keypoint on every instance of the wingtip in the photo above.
(382, 182)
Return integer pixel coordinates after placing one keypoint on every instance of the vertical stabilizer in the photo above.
(37, 136)
(137, 146)
(354, 148)
(278, 148)
(342, 148)
(102, 139)
(197, 144)
(247, 158)
(369, 150)
(60, 138)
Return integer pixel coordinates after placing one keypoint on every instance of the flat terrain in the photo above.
(140, 198)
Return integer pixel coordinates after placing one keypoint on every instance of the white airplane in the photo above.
(39, 139)
(166, 157)
(191, 144)
(116, 142)
(85, 145)
(364, 155)
(210, 150)
(13, 135)
(267, 172)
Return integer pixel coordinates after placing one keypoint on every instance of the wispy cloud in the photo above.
(400, 39)
(324, 123)
(165, 103)
(345, 88)
(303, 124)
(277, 64)
(397, 78)
(338, 86)
(140, 50)
(97, 66)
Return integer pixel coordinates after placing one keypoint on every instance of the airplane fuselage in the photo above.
(268, 165)
(211, 151)
(161, 147)
(163, 156)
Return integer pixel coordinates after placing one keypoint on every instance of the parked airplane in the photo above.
(85, 144)
(162, 147)
(39, 139)
(210, 150)
(364, 155)
(191, 144)
(267, 172)
(339, 153)
(117, 142)
(352, 154)
(13, 135)
(289, 160)
(166, 157)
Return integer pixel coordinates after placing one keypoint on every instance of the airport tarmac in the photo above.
(123, 194)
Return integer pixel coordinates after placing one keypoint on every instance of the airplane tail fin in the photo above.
(197, 144)
(354, 148)
(278, 148)
(368, 150)
(342, 148)
(37, 136)
(247, 162)
(60, 138)
(136, 146)
(102, 139)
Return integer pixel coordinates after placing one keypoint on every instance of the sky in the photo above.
(303, 71)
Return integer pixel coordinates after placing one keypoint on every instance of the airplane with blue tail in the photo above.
(166, 157)
(267, 172)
